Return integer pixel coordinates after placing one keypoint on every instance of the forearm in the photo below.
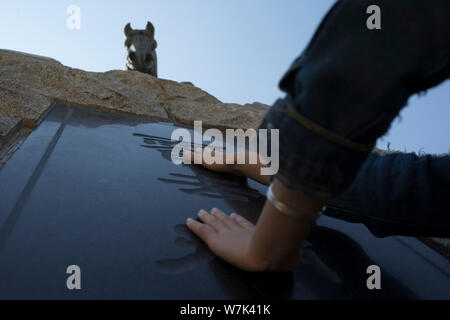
(272, 245)
(349, 84)
(277, 239)
(252, 171)
(398, 194)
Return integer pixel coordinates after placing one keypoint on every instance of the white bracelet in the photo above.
(288, 211)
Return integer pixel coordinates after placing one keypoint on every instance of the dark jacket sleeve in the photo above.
(398, 194)
(345, 89)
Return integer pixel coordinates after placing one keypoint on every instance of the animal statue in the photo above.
(141, 49)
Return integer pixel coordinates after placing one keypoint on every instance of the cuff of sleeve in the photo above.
(313, 160)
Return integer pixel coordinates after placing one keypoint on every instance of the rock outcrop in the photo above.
(29, 84)
(8, 127)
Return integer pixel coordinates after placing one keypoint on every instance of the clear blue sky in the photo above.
(236, 50)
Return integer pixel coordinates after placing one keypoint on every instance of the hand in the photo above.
(274, 244)
(227, 236)
(249, 170)
(226, 168)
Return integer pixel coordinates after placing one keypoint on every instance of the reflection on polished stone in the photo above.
(99, 191)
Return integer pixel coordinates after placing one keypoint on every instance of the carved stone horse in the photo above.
(141, 47)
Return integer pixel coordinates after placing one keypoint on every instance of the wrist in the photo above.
(275, 243)
(296, 199)
(240, 163)
(267, 263)
(238, 169)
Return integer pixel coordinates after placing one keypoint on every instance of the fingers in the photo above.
(244, 223)
(217, 221)
(224, 218)
(211, 220)
(202, 230)
(190, 156)
(216, 154)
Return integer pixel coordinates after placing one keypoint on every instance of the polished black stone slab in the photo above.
(99, 191)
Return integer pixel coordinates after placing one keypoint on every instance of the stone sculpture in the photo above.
(141, 49)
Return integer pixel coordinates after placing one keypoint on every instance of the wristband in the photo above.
(290, 212)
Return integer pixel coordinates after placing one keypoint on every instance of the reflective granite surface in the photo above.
(99, 191)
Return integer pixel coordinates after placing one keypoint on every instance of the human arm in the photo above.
(272, 245)
(252, 171)
(398, 193)
(342, 94)
(345, 89)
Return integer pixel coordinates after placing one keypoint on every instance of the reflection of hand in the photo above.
(227, 236)
(189, 261)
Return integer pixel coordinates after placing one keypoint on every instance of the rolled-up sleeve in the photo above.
(345, 89)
